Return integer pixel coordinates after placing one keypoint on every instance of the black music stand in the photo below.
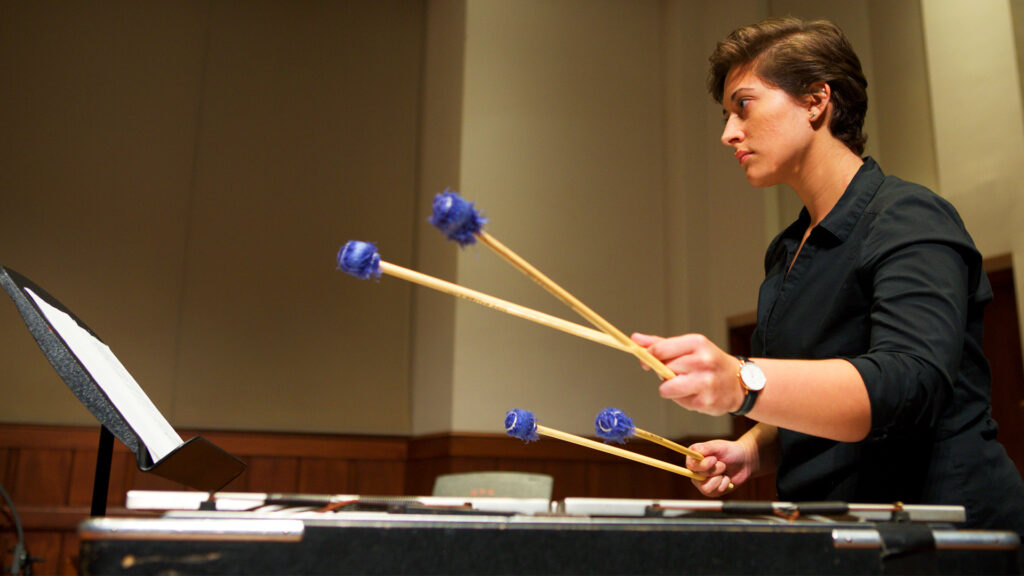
(197, 463)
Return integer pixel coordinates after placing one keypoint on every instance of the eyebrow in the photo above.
(732, 97)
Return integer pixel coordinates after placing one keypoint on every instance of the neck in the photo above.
(825, 173)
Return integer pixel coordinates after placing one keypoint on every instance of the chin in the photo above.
(760, 180)
(761, 176)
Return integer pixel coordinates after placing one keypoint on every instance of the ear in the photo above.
(817, 100)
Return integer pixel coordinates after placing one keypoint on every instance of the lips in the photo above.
(741, 155)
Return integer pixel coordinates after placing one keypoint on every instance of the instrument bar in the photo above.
(164, 529)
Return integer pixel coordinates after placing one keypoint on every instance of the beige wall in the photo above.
(562, 150)
(979, 134)
(182, 176)
(979, 123)
(433, 328)
(1017, 12)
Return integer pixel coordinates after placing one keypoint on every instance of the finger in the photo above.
(644, 340)
(695, 391)
(719, 468)
(677, 346)
(705, 460)
(704, 448)
(676, 388)
(712, 486)
(704, 466)
(723, 484)
(687, 390)
(704, 487)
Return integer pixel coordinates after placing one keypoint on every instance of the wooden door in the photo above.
(1003, 349)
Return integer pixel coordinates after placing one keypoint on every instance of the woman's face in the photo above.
(768, 129)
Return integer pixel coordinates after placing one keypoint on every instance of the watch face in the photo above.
(753, 377)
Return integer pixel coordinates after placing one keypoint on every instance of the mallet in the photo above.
(361, 260)
(461, 222)
(522, 424)
(613, 425)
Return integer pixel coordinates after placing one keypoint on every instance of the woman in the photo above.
(868, 380)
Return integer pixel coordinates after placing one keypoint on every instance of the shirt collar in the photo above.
(839, 222)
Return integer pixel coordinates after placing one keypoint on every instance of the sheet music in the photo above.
(124, 392)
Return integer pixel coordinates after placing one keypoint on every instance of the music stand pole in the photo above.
(101, 482)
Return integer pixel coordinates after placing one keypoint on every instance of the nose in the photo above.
(732, 133)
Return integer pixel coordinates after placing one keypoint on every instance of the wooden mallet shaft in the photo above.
(574, 303)
(673, 446)
(588, 443)
(501, 305)
(652, 437)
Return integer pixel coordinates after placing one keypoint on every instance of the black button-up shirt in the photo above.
(891, 281)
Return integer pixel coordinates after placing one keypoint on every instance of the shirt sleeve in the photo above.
(916, 260)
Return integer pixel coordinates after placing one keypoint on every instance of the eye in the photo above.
(741, 110)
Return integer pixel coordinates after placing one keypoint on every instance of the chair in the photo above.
(500, 484)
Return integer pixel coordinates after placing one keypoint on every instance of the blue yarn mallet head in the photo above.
(456, 218)
(359, 259)
(521, 424)
(613, 425)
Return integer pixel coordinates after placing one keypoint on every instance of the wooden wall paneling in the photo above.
(8, 538)
(570, 478)
(379, 477)
(315, 463)
(45, 545)
(325, 476)
(268, 474)
(532, 466)
(69, 557)
(419, 477)
(307, 445)
(41, 477)
(426, 460)
(610, 479)
(472, 464)
(44, 436)
(430, 456)
(658, 484)
(83, 476)
(493, 446)
(5, 458)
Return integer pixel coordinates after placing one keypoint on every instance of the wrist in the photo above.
(751, 382)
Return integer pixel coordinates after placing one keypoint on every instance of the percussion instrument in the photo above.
(199, 533)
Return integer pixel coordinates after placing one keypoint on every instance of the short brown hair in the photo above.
(792, 54)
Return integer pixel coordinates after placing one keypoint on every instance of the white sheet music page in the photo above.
(124, 392)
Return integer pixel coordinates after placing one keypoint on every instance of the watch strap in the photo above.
(749, 397)
(748, 403)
